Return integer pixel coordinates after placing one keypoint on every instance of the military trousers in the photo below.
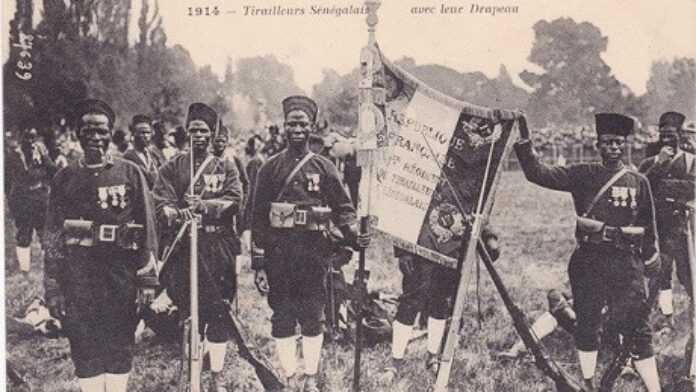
(297, 271)
(100, 294)
(427, 288)
(674, 251)
(603, 275)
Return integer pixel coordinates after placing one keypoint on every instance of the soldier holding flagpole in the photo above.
(298, 194)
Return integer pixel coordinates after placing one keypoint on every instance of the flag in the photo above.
(436, 152)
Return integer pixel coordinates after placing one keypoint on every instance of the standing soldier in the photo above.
(29, 170)
(220, 150)
(297, 195)
(671, 174)
(217, 196)
(143, 152)
(100, 231)
(617, 243)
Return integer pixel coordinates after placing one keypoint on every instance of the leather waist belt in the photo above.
(213, 228)
(597, 232)
(290, 215)
(86, 233)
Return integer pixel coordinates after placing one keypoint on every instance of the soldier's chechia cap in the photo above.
(689, 127)
(613, 123)
(203, 112)
(141, 118)
(300, 102)
(91, 105)
(674, 119)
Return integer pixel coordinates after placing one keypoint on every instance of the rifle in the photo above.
(266, 373)
(360, 285)
(543, 361)
(191, 329)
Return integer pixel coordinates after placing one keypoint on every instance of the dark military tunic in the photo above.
(221, 192)
(149, 162)
(28, 182)
(602, 273)
(296, 257)
(673, 185)
(98, 282)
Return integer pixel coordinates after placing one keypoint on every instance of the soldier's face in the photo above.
(95, 135)
(669, 136)
(142, 134)
(297, 128)
(200, 135)
(611, 147)
(219, 144)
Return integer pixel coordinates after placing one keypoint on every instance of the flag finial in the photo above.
(372, 19)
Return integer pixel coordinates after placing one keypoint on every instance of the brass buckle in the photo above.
(609, 234)
(300, 217)
(107, 233)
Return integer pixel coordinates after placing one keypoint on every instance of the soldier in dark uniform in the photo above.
(220, 150)
(617, 243)
(29, 170)
(297, 195)
(671, 173)
(100, 230)
(428, 289)
(217, 196)
(143, 152)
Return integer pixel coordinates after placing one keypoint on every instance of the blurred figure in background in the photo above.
(29, 170)
(142, 152)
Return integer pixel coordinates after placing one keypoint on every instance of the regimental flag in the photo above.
(436, 151)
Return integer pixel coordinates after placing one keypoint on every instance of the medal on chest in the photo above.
(114, 195)
(313, 182)
(622, 196)
(213, 182)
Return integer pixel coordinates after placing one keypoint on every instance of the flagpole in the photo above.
(447, 357)
(365, 157)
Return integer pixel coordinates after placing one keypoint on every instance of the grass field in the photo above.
(536, 230)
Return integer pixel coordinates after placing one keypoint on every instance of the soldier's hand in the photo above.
(163, 303)
(522, 125)
(362, 240)
(653, 269)
(666, 154)
(195, 202)
(261, 281)
(407, 264)
(170, 215)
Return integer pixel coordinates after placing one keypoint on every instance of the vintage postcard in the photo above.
(337, 195)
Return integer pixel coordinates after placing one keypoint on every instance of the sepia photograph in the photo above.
(349, 195)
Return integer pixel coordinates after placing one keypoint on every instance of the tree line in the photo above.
(81, 48)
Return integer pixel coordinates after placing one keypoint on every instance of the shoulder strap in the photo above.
(202, 168)
(294, 171)
(604, 188)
